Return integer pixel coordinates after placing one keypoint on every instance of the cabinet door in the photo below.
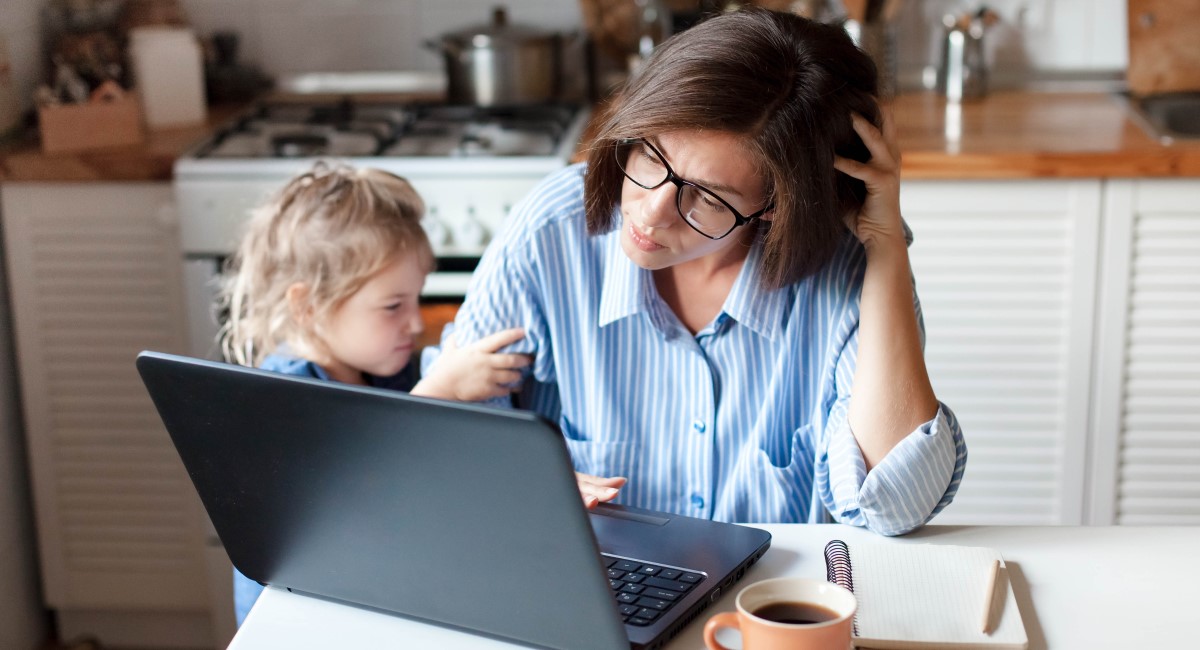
(1006, 276)
(95, 278)
(1146, 419)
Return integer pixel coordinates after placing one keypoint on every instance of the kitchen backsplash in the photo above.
(1031, 34)
(288, 36)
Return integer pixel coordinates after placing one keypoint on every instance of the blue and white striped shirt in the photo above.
(744, 421)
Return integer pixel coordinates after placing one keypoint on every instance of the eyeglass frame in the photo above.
(678, 182)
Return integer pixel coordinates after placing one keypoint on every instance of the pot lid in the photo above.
(497, 31)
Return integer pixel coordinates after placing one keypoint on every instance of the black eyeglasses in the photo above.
(699, 207)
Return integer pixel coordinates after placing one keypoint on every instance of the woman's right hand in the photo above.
(476, 372)
(595, 489)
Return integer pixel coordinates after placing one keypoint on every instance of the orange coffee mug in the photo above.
(788, 614)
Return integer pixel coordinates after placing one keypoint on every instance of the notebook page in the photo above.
(926, 595)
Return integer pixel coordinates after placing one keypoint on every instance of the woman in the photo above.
(719, 304)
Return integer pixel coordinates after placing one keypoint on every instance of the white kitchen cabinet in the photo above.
(1006, 272)
(1146, 401)
(95, 277)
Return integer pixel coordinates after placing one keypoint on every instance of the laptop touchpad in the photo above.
(617, 512)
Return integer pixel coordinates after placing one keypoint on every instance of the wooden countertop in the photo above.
(1015, 135)
(1033, 135)
(1007, 135)
(152, 160)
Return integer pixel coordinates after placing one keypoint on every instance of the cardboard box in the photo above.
(75, 127)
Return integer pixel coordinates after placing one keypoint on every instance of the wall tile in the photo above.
(20, 16)
(1107, 29)
(1031, 34)
(338, 35)
(208, 16)
(313, 35)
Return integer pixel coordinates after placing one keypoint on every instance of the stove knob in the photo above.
(435, 229)
(470, 233)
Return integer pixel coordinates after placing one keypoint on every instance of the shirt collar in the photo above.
(627, 290)
(748, 303)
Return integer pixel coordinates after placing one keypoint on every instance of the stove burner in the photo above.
(299, 145)
(340, 113)
(346, 129)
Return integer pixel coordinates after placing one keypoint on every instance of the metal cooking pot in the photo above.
(501, 64)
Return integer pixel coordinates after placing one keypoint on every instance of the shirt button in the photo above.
(699, 426)
(697, 501)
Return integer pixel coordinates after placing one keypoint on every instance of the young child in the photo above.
(326, 283)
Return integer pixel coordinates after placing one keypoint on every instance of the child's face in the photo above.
(375, 330)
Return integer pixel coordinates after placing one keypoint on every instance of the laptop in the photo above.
(456, 514)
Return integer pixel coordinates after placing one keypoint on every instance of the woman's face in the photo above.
(653, 234)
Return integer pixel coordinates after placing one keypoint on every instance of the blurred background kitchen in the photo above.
(297, 36)
(1052, 176)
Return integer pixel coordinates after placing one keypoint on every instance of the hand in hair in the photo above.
(879, 220)
(477, 371)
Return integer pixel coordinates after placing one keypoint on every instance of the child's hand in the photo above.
(477, 371)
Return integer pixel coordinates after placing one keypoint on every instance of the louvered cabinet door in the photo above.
(1147, 397)
(95, 278)
(1006, 276)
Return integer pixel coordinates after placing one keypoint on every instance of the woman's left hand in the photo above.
(879, 219)
(598, 489)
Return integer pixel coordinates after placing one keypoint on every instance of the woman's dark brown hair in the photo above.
(787, 86)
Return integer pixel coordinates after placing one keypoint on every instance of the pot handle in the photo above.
(443, 46)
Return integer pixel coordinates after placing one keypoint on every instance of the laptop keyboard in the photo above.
(645, 591)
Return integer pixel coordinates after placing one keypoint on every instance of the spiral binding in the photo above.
(837, 564)
(838, 569)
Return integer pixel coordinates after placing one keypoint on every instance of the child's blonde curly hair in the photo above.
(330, 230)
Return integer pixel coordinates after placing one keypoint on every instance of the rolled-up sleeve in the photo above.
(916, 480)
(503, 294)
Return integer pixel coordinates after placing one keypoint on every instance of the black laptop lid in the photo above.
(318, 487)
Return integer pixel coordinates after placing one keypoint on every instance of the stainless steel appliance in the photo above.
(501, 64)
(471, 165)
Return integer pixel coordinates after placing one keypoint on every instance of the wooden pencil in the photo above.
(989, 596)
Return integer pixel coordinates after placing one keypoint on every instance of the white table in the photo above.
(1077, 587)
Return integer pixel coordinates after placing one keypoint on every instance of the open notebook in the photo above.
(926, 596)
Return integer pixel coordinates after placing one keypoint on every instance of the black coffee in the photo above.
(795, 613)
